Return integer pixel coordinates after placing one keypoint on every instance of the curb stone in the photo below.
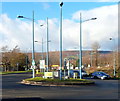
(57, 84)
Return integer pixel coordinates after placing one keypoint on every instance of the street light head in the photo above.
(20, 17)
(93, 18)
(49, 41)
(41, 25)
(36, 41)
(61, 3)
(110, 38)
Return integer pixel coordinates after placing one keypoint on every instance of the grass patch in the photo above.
(41, 73)
(12, 72)
(50, 80)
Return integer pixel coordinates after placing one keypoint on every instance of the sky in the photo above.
(14, 31)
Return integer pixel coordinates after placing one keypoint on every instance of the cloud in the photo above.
(19, 32)
(101, 29)
(14, 32)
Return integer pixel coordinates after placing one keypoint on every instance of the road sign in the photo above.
(42, 64)
(33, 67)
(33, 62)
(48, 74)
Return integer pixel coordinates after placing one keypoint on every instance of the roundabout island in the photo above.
(56, 82)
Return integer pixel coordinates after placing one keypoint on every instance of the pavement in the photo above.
(13, 90)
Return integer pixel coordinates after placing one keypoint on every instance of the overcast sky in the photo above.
(14, 31)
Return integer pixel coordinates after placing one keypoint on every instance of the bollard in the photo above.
(37, 71)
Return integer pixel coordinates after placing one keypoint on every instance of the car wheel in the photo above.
(92, 77)
(95, 77)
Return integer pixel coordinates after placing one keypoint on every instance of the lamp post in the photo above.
(61, 4)
(47, 57)
(42, 42)
(42, 50)
(114, 72)
(33, 56)
(80, 51)
(42, 47)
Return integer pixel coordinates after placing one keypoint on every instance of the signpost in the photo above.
(65, 67)
(56, 74)
(33, 68)
(33, 63)
(42, 65)
(68, 67)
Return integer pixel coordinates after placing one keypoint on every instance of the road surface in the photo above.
(13, 89)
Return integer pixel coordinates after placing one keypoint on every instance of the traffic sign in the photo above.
(33, 62)
(33, 67)
(42, 64)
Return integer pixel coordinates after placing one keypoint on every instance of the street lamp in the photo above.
(33, 56)
(42, 46)
(47, 47)
(42, 42)
(41, 25)
(80, 51)
(61, 4)
(114, 73)
(47, 56)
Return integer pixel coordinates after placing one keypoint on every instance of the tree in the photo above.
(13, 59)
(95, 47)
(5, 58)
(18, 59)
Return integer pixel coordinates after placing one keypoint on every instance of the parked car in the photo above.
(78, 73)
(84, 74)
(100, 75)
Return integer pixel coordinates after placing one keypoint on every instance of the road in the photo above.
(13, 89)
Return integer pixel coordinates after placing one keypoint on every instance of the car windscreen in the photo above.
(103, 73)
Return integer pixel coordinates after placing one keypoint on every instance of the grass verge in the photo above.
(12, 72)
(70, 81)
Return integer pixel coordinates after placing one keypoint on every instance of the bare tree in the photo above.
(5, 58)
(13, 59)
(17, 59)
(95, 47)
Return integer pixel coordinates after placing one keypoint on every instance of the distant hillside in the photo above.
(74, 53)
(54, 56)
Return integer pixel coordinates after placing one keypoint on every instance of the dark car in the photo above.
(100, 75)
